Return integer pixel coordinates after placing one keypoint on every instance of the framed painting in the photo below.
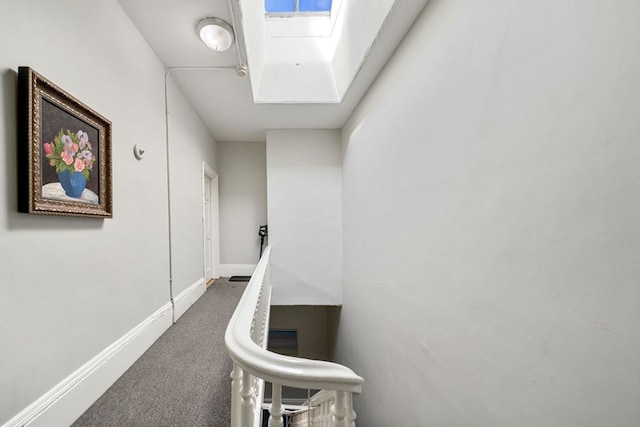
(64, 152)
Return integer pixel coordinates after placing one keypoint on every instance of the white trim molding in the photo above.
(228, 270)
(185, 299)
(65, 402)
(208, 172)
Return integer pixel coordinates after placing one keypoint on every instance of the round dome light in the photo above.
(215, 33)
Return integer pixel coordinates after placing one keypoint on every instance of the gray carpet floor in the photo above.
(182, 380)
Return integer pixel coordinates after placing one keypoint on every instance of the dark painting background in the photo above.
(54, 118)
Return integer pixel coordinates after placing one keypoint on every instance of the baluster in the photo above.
(338, 410)
(318, 414)
(276, 410)
(263, 318)
(327, 412)
(301, 420)
(236, 375)
(248, 400)
(256, 391)
(322, 418)
(313, 416)
(252, 331)
(350, 420)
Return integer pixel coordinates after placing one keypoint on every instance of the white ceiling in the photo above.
(224, 100)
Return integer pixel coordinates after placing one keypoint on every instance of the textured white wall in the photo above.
(243, 200)
(304, 206)
(70, 287)
(491, 220)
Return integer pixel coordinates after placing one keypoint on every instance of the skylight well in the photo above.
(296, 7)
(308, 51)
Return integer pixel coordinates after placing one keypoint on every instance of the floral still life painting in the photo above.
(64, 151)
(70, 154)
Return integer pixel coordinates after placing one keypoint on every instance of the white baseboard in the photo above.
(186, 298)
(64, 403)
(228, 270)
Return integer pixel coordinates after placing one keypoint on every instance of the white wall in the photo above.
(491, 220)
(243, 203)
(71, 287)
(305, 219)
(190, 143)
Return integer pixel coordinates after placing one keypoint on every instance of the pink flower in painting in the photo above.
(66, 157)
(70, 151)
(79, 165)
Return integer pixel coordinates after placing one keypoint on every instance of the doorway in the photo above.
(211, 235)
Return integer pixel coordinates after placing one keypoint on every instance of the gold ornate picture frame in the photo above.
(64, 152)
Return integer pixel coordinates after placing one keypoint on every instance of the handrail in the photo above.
(273, 367)
(246, 342)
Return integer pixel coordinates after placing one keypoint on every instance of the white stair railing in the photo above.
(246, 340)
(323, 408)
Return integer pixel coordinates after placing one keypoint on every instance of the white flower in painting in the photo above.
(83, 139)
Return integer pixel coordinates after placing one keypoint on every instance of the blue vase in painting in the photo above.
(73, 183)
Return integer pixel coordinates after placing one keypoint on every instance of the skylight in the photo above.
(297, 6)
(308, 51)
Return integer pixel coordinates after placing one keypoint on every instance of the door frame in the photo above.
(208, 172)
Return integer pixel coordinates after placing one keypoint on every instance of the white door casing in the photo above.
(207, 229)
(211, 235)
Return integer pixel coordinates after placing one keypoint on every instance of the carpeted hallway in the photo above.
(183, 378)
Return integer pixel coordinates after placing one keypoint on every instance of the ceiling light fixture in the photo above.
(215, 33)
